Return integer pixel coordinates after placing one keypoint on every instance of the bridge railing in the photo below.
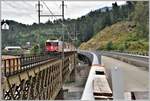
(137, 60)
(141, 57)
(39, 77)
(143, 53)
(19, 64)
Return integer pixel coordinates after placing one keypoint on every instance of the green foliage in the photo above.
(131, 34)
(115, 12)
(121, 37)
(141, 18)
(35, 49)
(109, 45)
(121, 47)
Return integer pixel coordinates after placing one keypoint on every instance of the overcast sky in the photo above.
(26, 11)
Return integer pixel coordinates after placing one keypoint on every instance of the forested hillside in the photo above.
(86, 26)
(120, 36)
(128, 35)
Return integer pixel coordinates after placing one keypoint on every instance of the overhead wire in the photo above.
(56, 18)
(48, 9)
(52, 14)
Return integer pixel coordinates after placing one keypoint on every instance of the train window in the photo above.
(48, 43)
(51, 43)
(56, 44)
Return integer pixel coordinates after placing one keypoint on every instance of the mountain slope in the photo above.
(119, 36)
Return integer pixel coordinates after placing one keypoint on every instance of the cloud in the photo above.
(26, 11)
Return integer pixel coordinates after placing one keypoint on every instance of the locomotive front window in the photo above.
(56, 44)
(48, 43)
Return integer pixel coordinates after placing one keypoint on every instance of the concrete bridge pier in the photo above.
(72, 76)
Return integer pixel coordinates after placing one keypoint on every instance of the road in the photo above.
(135, 79)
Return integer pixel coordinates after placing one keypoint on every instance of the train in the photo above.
(57, 45)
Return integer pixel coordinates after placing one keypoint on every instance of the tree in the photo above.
(107, 17)
(130, 7)
(141, 17)
(109, 45)
(35, 49)
(124, 12)
(115, 12)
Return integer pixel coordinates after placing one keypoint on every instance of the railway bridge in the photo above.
(42, 77)
(36, 77)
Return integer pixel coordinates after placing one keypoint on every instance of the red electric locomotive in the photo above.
(56, 46)
(52, 45)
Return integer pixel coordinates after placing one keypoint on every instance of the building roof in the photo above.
(7, 47)
(52, 40)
